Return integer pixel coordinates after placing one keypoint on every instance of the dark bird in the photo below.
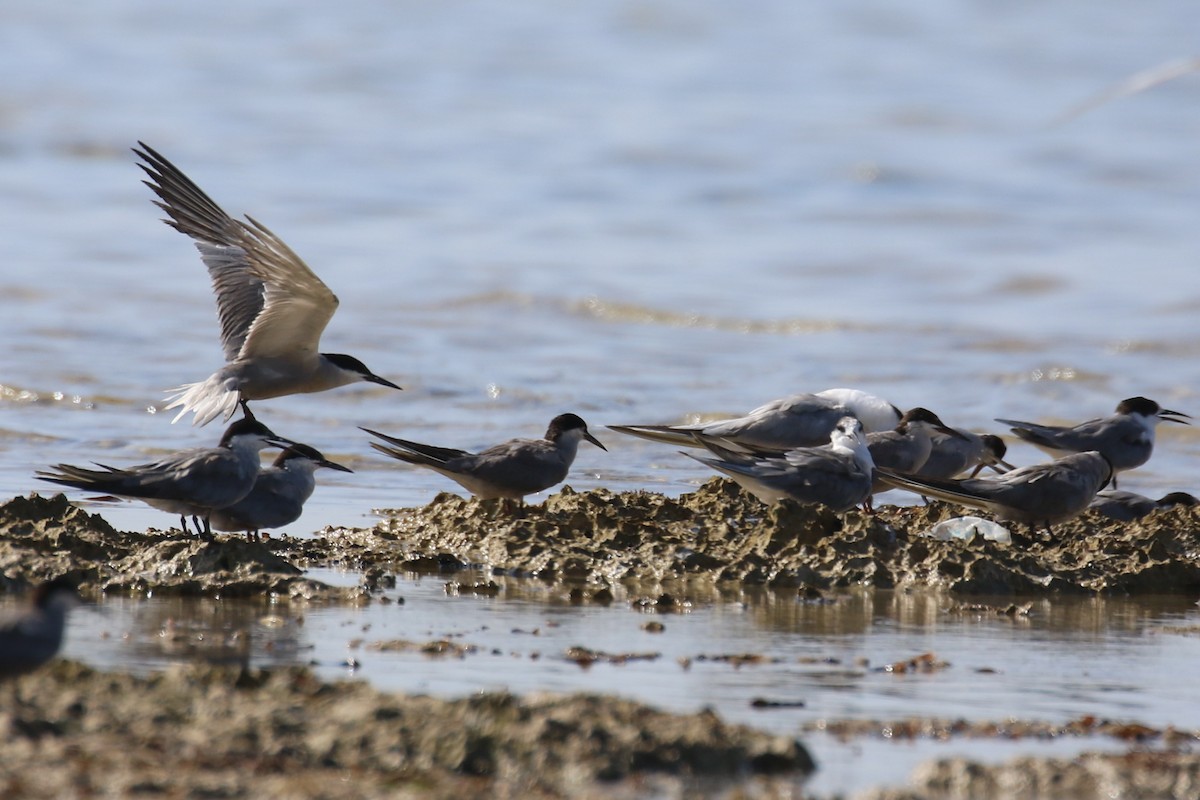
(279, 492)
(32, 637)
(191, 483)
(837, 475)
(1125, 438)
(799, 420)
(1129, 506)
(1037, 495)
(512, 469)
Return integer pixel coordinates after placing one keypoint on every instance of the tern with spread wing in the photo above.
(191, 483)
(511, 470)
(279, 492)
(272, 308)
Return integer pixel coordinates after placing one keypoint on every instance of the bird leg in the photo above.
(245, 408)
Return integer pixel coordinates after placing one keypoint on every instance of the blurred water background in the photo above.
(637, 211)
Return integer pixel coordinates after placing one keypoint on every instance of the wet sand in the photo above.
(285, 732)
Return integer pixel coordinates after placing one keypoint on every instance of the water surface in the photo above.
(1115, 659)
(640, 212)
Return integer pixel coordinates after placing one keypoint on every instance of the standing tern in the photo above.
(799, 420)
(1126, 438)
(32, 637)
(1129, 506)
(191, 483)
(511, 470)
(272, 307)
(1037, 495)
(906, 447)
(837, 475)
(279, 493)
(953, 455)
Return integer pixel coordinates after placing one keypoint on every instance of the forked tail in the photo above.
(207, 400)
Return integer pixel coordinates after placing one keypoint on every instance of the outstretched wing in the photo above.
(268, 300)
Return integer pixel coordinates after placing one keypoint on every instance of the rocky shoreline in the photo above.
(74, 731)
(596, 542)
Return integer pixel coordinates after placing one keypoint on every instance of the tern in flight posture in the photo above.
(279, 492)
(1125, 438)
(837, 475)
(799, 420)
(191, 483)
(1037, 495)
(271, 306)
(511, 470)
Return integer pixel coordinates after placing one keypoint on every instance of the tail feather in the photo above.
(207, 400)
(414, 452)
(666, 434)
(947, 489)
(1031, 432)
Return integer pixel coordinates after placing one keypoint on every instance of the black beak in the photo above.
(381, 381)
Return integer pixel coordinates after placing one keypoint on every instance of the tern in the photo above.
(1126, 438)
(271, 306)
(32, 637)
(906, 447)
(191, 483)
(953, 455)
(1129, 506)
(837, 475)
(279, 493)
(511, 470)
(799, 420)
(1037, 495)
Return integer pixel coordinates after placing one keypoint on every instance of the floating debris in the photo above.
(924, 663)
(585, 657)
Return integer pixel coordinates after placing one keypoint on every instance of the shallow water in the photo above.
(1109, 658)
(640, 212)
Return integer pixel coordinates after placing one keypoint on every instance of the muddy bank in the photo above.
(1165, 774)
(43, 537)
(1159, 762)
(721, 534)
(210, 732)
(599, 541)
